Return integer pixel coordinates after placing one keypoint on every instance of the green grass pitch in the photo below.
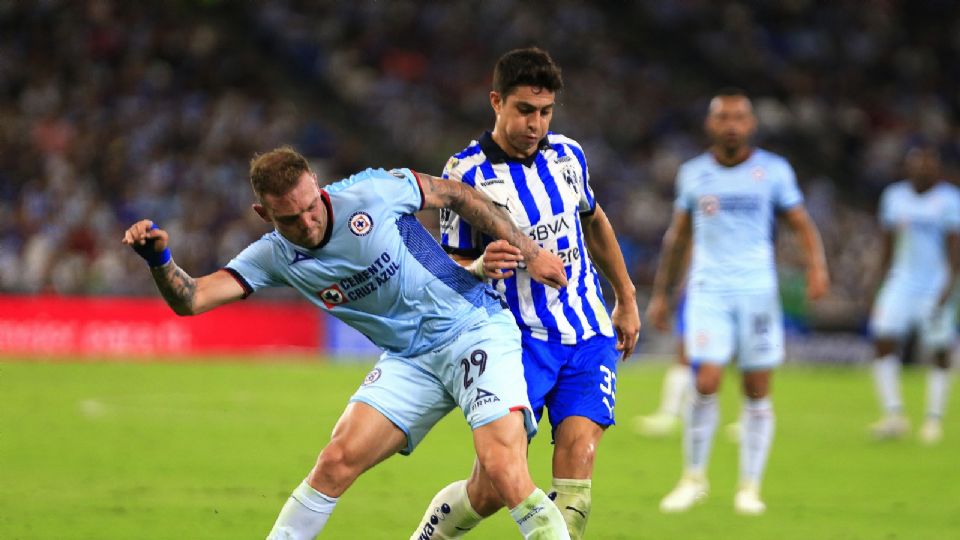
(211, 450)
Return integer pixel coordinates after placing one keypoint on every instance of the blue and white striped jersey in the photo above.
(733, 211)
(545, 195)
(920, 223)
(377, 269)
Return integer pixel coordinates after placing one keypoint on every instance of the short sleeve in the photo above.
(886, 214)
(787, 194)
(252, 267)
(400, 189)
(588, 202)
(456, 235)
(683, 200)
(952, 218)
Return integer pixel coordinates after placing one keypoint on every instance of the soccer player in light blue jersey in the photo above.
(920, 219)
(570, 344)
(355, 250)
(727, 200)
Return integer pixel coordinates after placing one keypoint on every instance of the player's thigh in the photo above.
(483, 371)
(709, 331)
(760, 331)
(409, 396)
(365, 436)
(894, 311)
(587, 384)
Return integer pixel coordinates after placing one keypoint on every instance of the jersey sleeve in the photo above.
(588, 203)
(886, 213)
(787, 193)
(456, 235)
(952, 219)
(400, 189)
(252, 267)
(684, 199)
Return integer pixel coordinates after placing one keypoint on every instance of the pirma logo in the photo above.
(332, 296)
(372, 377)
(484, 397)
(361, 223)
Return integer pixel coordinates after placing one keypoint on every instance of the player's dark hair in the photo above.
(277, 171)
(731, 91)
(526, 67)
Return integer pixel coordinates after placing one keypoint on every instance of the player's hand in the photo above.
(500, 259)
(658, 312)
(626, 322)
(944, 296)
(144, 239)
(547, 268)
(818, 282)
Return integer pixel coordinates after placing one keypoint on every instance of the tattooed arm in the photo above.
(479, 211)
(184, 294)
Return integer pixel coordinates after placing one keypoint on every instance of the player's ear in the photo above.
(261, 211)
(495, 101)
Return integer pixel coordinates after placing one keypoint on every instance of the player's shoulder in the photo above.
(771, 159)
(554, 139)
(699, 163)
(896, 188)
(948, 189)
(464, 160)
(357, 180)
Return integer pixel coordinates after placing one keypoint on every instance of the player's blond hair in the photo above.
(277, 171)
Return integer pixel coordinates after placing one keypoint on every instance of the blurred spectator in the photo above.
(111, 111)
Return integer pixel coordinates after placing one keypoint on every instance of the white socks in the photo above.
(539, 519)
(304, 514)
(450, 515)
(938, 386)
(758, 427)
(698, 431)
(886, 376)
(573, 500)
(677, 386)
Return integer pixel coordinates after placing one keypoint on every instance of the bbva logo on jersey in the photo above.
(360, 223)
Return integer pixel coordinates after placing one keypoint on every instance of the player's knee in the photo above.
(336, 469)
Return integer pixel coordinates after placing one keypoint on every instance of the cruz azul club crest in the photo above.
(332, 296)
(361, 223)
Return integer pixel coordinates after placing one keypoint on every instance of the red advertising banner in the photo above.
(52, 325)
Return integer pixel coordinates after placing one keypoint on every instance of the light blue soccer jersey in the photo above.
(733, 211)
(545, 195)
(920, 223)
(377, 269)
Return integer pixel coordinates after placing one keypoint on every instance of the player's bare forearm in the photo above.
(478, 210)
(606, 254)
(673, 251)
(177, 287)
(953, 267)
(818, 277)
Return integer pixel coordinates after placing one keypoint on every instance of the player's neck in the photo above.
(500, 138)
(922, 185)
(731, 158)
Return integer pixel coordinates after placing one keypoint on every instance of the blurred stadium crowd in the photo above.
(113, 111)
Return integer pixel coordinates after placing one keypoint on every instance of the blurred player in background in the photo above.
(727, 199)
(570, 344)
(920, 218)
(355, 250)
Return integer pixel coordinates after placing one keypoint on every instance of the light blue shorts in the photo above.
(721, 325)
(481, 371)
(897, 310)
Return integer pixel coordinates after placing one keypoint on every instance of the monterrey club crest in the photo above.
(361, 223)
(332, 296)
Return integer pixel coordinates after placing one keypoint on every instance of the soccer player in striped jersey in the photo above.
(355, 250)
(920, 219)
(726, 202)
(570, 344)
